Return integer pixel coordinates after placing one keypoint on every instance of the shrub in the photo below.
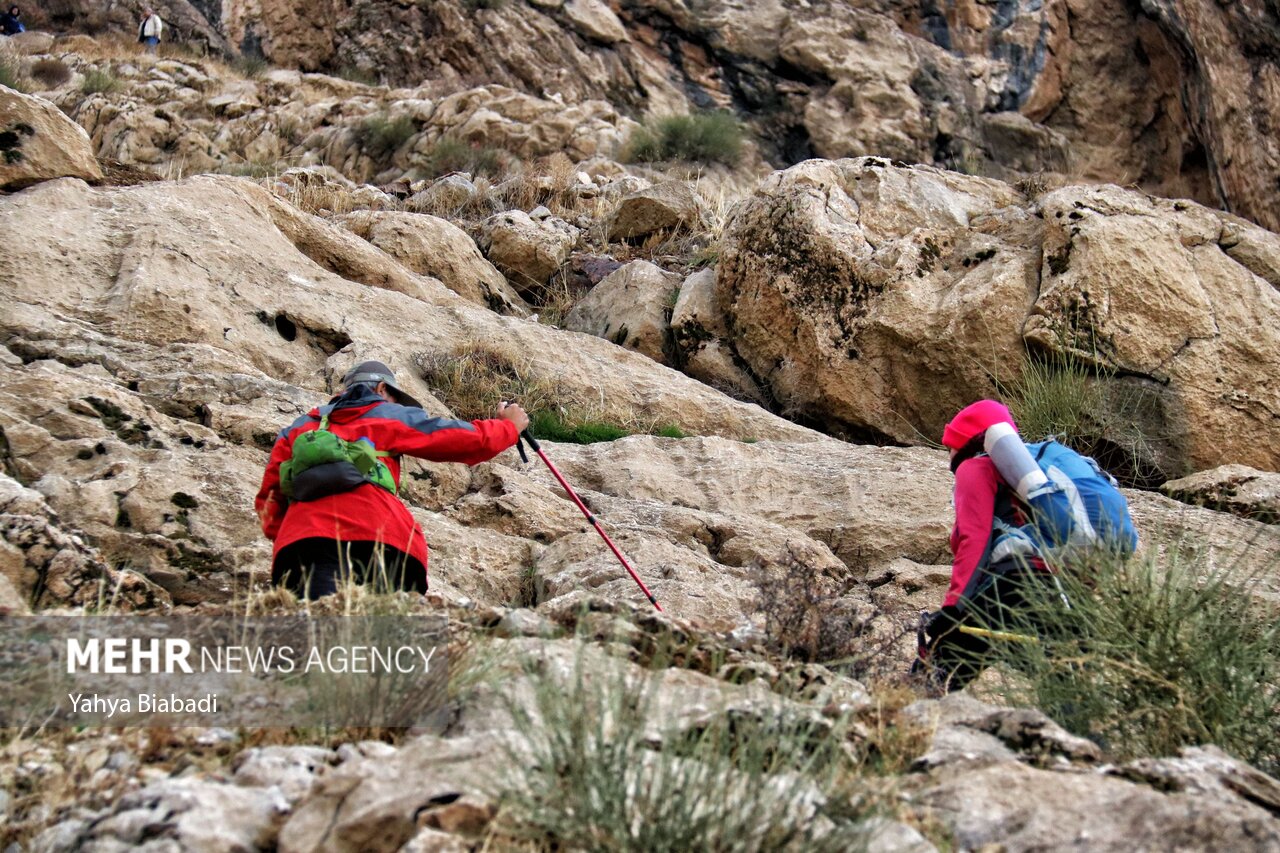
(250, 66)
(592, 779)
(356, 74)
(98, 81)
(380, 135)
(1093, 412)
(714, 137)
(453, 155)
(12, 74)
(50, 73)
(1155, 653)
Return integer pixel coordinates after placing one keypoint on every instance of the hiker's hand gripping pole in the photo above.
(533, 442)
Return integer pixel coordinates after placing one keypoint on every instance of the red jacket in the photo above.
(371, 513)
(977, 482)
(978, 501)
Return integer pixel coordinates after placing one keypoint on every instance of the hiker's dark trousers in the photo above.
(314, 568)
(999, 604)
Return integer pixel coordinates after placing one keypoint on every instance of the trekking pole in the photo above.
(998, 635)
(533, 442)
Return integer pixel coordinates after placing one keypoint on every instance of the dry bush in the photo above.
(50, 73)
(317, 197)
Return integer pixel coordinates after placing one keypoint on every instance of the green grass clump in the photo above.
(593, 778)
(380, 135)
(356, 74)
(713, 137)
(99, 82)
(554, 426)
(1155, 653)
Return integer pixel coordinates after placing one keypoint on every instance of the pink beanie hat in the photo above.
(973, 420)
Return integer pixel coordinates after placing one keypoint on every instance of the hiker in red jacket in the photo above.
(992, 560)
(342, 524)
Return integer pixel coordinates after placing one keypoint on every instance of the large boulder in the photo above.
(527, 251)
(434, 247)
(878, 299)
(632, 308)
(668, 206)
(38, 142)
(1147, 289)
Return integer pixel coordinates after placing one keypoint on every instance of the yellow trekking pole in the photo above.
(1007, 636)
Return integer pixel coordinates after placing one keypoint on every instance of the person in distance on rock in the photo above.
(328, 498)
(11, 22)
(1015, 503)
(149, 30)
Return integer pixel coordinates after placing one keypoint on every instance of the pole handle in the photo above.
(533, 442)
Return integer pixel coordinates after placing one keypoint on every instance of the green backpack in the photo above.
(324, 464)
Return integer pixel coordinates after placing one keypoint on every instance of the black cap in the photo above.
(373, 372)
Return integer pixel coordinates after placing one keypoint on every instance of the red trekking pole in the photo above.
(533, 442)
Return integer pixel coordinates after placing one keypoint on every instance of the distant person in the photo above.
(150, 29)
(11, 22)
(329, 495)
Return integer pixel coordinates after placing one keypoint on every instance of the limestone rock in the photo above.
(290, 770)
(1142, 287)
(1005, 804)
(714, 363)
(37, 142)
(366, 804)
(969, 731)
(527, 252)
(665, 206)
(881, 299)
(632, 308)
(851, 287)
(594, 19)
(192, 814)
(452, 192)
(434, 247)
(1238, 489)
(700, 336)
(43, 563)
(696, 316)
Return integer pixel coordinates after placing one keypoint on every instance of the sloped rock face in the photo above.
(38, 143)
(146, 382)
(881, 299)
(1186, 89)
(1177, 96)
(434, 247)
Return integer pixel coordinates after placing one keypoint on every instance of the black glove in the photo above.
(942, 622)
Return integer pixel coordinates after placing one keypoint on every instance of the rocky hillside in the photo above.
(773, 358)
(1177, 98)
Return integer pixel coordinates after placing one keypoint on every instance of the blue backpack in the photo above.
(1080, 506)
